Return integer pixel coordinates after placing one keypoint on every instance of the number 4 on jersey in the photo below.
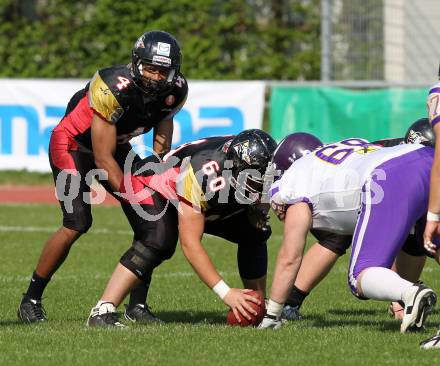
(123, 82)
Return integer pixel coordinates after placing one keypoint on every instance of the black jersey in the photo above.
(113, 95)
(196, 173)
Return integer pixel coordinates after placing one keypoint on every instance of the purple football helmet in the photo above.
(292, 147)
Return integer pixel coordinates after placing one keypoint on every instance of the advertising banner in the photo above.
(29, 109)
(333, 114)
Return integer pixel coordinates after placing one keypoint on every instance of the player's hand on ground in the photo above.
(432, 230)
(237, 299)
(396, 310)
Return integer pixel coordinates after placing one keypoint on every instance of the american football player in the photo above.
(326, 190)
(322, 256)
(433, 217)
(201, 187)
(432, 229)
(118, 103)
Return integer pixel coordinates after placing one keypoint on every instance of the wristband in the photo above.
(221, 289)
(431, 216)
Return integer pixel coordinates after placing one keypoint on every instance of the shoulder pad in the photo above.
(102, 99)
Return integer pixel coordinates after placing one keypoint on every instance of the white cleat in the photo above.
(431, 343)
(270, 322)
(419, 303)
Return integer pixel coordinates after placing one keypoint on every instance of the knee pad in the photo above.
(141, 260)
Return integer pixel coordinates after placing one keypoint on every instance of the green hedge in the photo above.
(220, 39)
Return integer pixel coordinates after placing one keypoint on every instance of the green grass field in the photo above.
(337, 329)
(24, 177)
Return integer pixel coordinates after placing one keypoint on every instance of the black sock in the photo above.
(296, 297)
(139, 294)
(36, 287)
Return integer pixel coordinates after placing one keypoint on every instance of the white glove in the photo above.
(270, 322)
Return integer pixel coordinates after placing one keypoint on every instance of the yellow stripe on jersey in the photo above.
(188, 188)
(102, 100)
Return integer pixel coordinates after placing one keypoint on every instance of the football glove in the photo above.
(258, 216)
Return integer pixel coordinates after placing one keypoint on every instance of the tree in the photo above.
(221, 40)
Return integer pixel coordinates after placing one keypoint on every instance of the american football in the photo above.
(255, 320)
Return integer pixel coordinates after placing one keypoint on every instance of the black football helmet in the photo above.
(420, 132)
(162, 50)
(250, 149)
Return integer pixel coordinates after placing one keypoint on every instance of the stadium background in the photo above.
(336, 68)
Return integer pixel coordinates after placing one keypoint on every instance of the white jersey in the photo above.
(330, 180)
(434, 104)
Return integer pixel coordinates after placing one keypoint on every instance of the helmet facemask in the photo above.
(272, 173)
(150, 86)
(250, 152)
(248, 184)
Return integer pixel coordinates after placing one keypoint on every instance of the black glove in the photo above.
(258, 215)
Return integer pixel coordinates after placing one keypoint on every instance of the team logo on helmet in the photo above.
(139, 43)
(225, 147)
(292, 158)
(242, 150)
(416, 138)
(163, 49)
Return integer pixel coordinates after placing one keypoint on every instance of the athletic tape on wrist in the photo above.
(274, 308)
(431, 216)
(221, 289)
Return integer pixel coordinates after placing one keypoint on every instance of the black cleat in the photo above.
(106, 320)
(140, 313)
(31, 311)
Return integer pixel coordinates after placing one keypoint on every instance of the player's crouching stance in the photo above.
(354, 187)
(216, 184)
(323, 255)
(92, 141)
